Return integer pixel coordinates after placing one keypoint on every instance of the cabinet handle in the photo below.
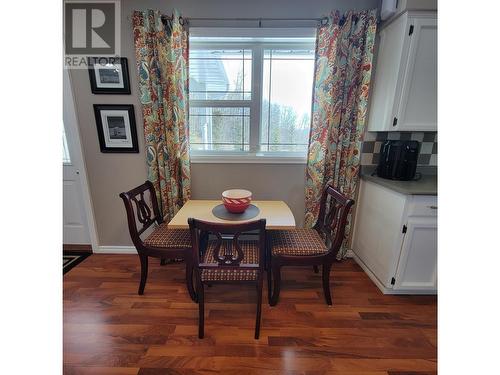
(433, 207)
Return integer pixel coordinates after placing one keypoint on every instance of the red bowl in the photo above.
(236, 201)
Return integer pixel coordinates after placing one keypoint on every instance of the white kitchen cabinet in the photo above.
(404, 92)
(395, 239)
(417, 266)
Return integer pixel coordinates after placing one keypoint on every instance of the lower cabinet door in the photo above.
(417, 266)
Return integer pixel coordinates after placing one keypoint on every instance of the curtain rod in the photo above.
(322, 20)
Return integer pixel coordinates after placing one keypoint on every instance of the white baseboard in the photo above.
(116, 250)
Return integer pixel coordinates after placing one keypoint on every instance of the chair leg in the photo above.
(201, 310)
(189, 281)
(268, 259)
(259, 308)
(163, 261)
(315, 269)
(144, 273)
(326, 283)
(276, 270)
(269, 284)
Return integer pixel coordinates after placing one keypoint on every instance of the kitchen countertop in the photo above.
(427, 185)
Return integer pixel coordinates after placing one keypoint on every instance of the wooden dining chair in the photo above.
(310, 247)
(144, 213)
(225, 258)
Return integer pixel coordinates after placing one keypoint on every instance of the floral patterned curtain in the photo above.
(344, 51)
(162, 63)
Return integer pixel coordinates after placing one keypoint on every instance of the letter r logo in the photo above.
(90, 28)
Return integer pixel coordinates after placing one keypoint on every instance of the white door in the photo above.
(75, 230)
(75, 221)
(417, 109)
(417, 267)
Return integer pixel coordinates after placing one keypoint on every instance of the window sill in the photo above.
(247, 158)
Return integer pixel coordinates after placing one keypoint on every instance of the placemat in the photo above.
(222, 213)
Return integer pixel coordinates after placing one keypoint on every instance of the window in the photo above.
(220, 97)
(250, 96)
(286, 99)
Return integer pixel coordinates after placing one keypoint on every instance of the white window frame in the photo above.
(254, 104)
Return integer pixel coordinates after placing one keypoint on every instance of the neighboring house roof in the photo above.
(208, 75)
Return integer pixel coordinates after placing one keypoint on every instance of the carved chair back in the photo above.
(332, 218)
(142, 209)
(227, 239)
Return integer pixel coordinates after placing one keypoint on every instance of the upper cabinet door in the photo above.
(404, 90)
(388, 61)
(417, 109)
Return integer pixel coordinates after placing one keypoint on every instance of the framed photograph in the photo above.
(116, 127)
(109, 75)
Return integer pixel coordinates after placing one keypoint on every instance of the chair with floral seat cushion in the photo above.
(227, 259)
(309, 247)
(143, 213)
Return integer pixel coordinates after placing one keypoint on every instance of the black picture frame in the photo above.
(94, 85)
(121, 141)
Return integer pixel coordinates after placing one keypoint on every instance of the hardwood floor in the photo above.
(109, 329)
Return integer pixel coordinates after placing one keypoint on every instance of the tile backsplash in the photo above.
(370, 151)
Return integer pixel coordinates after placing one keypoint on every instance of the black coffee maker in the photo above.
(398, 160)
